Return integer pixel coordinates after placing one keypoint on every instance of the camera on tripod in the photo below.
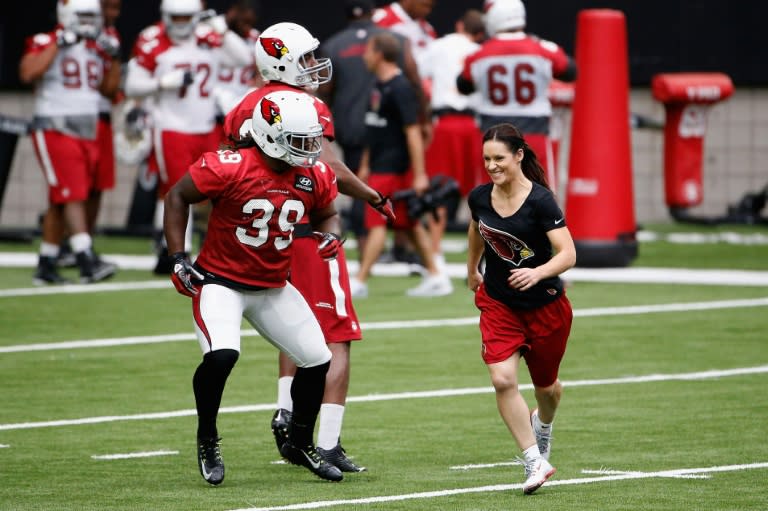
(442, 191)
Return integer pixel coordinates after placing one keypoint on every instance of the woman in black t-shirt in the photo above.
(520, 231)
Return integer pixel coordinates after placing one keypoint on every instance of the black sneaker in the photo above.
(46, 272)
(93, 269)
(338, 458)
(209, 459)
(281, 421)
(308, 457)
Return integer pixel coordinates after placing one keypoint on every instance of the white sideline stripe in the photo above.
(390, 325)
(4, 446)
(508, 487)
(717, 277)
(614, 472)
(131, 455)
(701, 375)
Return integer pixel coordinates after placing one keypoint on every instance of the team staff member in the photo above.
(519, 229)
(258, 195)
(393, 161)
(512, 71)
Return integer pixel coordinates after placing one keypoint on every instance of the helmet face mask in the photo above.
(180, 17)
(285, 126)
(285, 52)
(83, 17)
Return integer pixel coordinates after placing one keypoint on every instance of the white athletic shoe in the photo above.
(536, 474)
(432, 285)
(358, 289)
(543, 436)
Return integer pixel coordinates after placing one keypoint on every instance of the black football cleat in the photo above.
(209, 460)
(92, 268)
(308, 457)
(338, 458)
(46, 273)
(281, 422)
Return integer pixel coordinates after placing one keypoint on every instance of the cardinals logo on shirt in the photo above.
(506, 246)
(274, 47)
(270, 112)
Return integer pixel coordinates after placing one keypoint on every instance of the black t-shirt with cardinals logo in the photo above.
(517, 241)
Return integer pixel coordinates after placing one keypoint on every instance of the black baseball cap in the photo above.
(357, 8)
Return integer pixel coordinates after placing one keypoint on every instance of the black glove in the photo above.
(384, 206)
(66, 38)
(329, 245)
(183, 273)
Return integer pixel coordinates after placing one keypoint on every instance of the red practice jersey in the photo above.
(243, 112)
(250, 228)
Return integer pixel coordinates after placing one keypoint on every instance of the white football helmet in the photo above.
(83, 17)
(180, 30)
(503, 15)
(132, 133)
(285, 126)
(285, 52)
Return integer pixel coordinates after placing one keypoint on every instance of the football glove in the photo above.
(217, 23)
(176, 79)
(66, 38)
(109, 44)
(384, 206)
(329, 244)
(183, 273)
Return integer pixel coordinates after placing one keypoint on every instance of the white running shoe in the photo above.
(358, 289)
(536, 474)
(432, 285)
(543, 436)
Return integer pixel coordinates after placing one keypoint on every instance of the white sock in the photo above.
(331, 417)
(532, 453)
(284, 400)
(49, 249)
(80, 242)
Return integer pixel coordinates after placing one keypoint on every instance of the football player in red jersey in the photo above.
(175, 63)
(512, 71)
(258, 195)
(520, 231)
(285, 57)
(71, 67)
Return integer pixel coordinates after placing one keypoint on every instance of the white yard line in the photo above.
(427, 394)
(390, 325)
(681, 472)
(148, 454)
(633, 275)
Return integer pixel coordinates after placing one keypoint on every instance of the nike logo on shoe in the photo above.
(315, 464)
(206, 475)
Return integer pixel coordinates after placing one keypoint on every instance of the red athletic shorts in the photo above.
(387, 184)
(457, 151)
(69, 164)
(176, 151)
(540, 335)
(105, 177)
(325, 287)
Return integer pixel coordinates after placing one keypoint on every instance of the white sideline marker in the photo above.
(131, 455)
(621, 476)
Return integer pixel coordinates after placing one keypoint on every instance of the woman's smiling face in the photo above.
(501, 163)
